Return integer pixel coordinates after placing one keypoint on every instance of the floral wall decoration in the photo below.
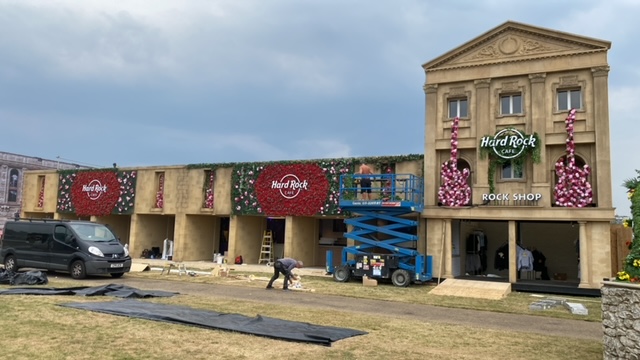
(572, 189)
(160, 192)
(96, 192)
(296, 189)
(455, 190)
(209, 183)
(631, 264)
(260, 188)
(41, 193)
(65, 181)
(127, 181)
(244, 194)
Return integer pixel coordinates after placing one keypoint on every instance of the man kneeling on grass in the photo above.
(284, 266)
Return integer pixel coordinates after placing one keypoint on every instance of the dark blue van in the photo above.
(80, 248)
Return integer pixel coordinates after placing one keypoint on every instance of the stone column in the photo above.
(513, 253)
(431, 167)
(584, 256)
(603, 137)
(484, 124)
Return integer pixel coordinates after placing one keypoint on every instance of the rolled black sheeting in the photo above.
(116, 290)
(33, 277)
(258, 325)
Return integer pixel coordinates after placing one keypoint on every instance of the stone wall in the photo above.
(621, 320)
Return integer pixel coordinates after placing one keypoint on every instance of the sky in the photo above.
(160, 82)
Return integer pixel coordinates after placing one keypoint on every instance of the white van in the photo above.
(80, 248)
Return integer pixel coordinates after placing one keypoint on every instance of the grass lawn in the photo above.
(35, 327)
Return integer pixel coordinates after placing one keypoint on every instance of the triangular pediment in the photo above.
(513, 41)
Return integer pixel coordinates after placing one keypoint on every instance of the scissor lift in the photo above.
(393, 212)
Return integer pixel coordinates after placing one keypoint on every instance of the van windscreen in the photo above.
(93, 232)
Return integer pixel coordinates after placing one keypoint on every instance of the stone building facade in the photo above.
(518, 108)
(522, 81)
(12, 169)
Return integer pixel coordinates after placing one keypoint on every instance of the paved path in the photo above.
(482, 319)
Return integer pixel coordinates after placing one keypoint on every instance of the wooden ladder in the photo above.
(266, 253)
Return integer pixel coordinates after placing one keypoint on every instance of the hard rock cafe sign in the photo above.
(290, 186)
(94, 189)
(508, 143)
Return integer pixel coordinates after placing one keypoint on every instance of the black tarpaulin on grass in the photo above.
(121, 291)
(23, 278)
(259, 325)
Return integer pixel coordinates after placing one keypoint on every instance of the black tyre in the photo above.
(342, 274)
(78, 270)
(116, 275)
(401, 278)
(10, 263)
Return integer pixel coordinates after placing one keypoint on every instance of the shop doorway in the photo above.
(277, 228)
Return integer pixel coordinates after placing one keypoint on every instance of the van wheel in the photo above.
(117, 275)
(78, 270)
(10, 263)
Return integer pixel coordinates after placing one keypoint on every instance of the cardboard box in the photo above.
(560, 276)
(366, 281)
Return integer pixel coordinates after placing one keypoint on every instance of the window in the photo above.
(511, 170)
(569, 99)
(458, 108)
(511, 104)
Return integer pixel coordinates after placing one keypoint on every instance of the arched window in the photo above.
(14, 182)
(463, 164)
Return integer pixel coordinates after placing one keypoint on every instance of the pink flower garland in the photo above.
(572, 189)
(160, 192)
(208, 195)
(454, 191)
(41, 195)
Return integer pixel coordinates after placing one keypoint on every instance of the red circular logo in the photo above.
(94, 189)
(298, 189)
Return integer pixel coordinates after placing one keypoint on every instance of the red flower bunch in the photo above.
(208, 193)
(41, 195)
(160, 192)
(297, 189)
(95, 192)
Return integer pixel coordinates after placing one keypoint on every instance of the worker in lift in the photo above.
(365, 181)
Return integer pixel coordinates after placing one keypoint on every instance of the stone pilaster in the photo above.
(484, 124)
(603, 138)
(431, 168)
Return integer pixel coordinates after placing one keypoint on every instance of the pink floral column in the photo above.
(160, 192)
(454, 191)
(208, 194)
(572, 189)
(41, 194)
